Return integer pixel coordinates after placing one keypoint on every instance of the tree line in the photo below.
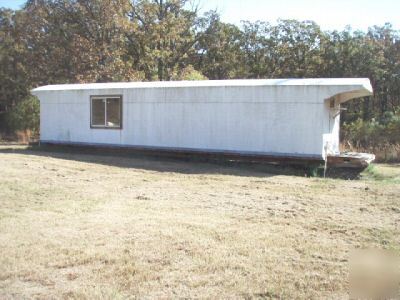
(71, 41)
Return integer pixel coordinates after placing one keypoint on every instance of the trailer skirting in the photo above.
(289, 158)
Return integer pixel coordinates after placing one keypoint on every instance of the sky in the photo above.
(329, 14)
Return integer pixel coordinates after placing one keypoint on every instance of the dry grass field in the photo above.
(89, 226)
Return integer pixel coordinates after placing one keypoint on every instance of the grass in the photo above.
(386, 173)
(82, 226)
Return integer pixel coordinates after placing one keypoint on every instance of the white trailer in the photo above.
(277, 118)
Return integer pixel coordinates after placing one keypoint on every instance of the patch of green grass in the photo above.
(381, 174)
(372, 172)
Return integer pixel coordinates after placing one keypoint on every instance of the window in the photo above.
(106, 111)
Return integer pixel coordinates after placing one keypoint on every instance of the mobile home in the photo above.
(274, 118)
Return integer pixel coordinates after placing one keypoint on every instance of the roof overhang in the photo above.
(337, 84)
(362, 89)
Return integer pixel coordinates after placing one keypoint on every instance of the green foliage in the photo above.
(190, 73)
(382, 174)
(14, 82)
(373, 133)
(220, 51)
(25, 115)
(162, 36)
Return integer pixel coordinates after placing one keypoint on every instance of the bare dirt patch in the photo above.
(89, 226)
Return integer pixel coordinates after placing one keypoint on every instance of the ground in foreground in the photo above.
(89, 226)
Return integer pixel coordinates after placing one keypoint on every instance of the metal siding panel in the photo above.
(283, 119)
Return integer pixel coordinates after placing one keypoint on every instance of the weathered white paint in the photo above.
(275, 117)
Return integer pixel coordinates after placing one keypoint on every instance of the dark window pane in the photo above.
(98, 112)
(114, 112)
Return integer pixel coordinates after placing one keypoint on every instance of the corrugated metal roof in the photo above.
(362, 83)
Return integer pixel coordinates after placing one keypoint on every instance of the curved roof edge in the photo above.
(354, 92)
(361, 83)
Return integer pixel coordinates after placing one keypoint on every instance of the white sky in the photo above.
(329, 14)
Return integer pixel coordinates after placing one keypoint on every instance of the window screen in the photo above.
(106, 112)
(113, 112)
(98, 112)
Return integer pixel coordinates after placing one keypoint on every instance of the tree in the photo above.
(78, 41)
(14, 83)
(25, 115)
(219, 51)
(162, 36)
